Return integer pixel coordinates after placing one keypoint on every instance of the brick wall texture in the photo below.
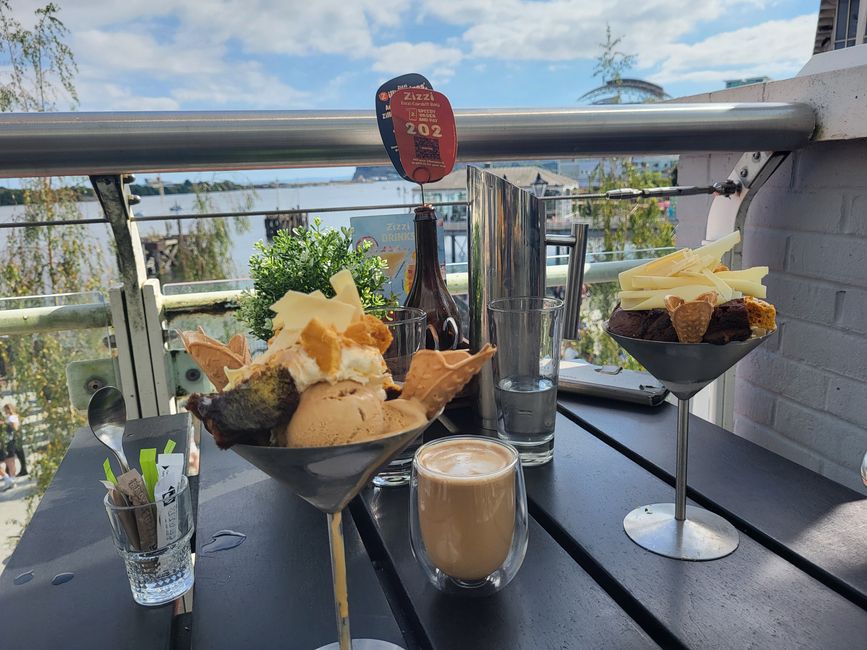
(804, 393)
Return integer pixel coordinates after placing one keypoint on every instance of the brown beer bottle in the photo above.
(428, 291)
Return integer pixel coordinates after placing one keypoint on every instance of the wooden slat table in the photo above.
(274, 590)
(818, 524)
(70, 532)
(797, 579)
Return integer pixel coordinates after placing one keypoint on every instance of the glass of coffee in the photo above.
(468, 514)
(527, 333)
(408, 327)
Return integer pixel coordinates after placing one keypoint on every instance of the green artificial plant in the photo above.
(304, 260)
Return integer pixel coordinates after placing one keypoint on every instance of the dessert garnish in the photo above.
(689, 296)
(322, 380)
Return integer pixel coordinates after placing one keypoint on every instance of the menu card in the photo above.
(393, 238)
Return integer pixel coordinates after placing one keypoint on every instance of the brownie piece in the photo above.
(651, 325)
(730, 322)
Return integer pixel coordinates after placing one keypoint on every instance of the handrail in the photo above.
(52, 144)
(95, 315)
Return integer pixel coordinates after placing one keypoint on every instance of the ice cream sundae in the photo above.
(322, 381)
(689, 296)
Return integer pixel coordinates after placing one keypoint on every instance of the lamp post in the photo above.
(539, 185)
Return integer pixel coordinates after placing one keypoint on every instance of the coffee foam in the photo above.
(466, 459)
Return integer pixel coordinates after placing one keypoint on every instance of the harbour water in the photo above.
(307, 196)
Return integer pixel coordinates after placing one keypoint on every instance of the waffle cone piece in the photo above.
(213, 357)
(691, 319)
(435, 377)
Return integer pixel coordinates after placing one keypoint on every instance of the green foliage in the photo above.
(36, 64)
(304, 260)
(36, 69)
(628, 229)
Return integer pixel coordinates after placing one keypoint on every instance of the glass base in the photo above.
(364, 644)
(702, 536)
(160, 577)
(532, 453)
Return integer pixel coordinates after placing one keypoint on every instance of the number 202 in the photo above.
(423, 129)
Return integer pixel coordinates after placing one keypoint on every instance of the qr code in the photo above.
(427, 148)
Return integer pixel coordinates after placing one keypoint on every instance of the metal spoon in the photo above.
(106, 415)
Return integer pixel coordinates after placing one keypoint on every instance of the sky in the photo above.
(318, 54)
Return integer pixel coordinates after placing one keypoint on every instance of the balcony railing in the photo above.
(109, 146)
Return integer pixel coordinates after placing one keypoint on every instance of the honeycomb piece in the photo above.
(322, 343)
(762, 315)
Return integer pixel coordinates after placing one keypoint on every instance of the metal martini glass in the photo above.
(329, 478)
(678, 530)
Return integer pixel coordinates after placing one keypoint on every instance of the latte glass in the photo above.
(468, 514)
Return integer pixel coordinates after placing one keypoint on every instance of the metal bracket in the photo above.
(729, 212)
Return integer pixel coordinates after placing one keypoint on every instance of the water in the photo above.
(161, 576)
(23, 578)
(223, 540)
(526, 409)
(62, 578)
(320, 195)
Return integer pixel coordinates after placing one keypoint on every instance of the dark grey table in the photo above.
(69, 532)
(797, 579)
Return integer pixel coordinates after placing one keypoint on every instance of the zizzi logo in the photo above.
(418, 96)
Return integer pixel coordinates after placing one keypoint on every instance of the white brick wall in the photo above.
(804, 393)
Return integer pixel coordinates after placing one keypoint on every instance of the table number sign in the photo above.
(427, 139)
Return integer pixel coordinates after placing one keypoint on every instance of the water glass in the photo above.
(407, 326)
(527, 333)
(468, 514)
(162, 574)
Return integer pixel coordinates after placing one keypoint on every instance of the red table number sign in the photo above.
(424, 126)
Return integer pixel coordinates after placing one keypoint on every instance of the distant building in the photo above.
(625, 91)
(734, 83)
(454, 188)
(379, 173)
(840, 25)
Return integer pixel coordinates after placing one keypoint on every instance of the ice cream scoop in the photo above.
(337, 414)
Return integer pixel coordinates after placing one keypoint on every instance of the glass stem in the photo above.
(682, 454)
(338, 575)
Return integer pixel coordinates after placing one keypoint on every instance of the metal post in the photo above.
(113, 195)
(682, 458)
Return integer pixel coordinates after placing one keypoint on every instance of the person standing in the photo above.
(12, 425)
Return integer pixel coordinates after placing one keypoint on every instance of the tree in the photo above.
(204, 245)
(611, 62)
(37, 70)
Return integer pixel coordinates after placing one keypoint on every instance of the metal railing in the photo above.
(58, 144)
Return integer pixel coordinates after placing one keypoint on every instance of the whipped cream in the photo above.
(360, 364)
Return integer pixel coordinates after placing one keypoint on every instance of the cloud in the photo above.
(740, 53)
(239, 53)
(105, 96)
(657, 31)
(431, 59)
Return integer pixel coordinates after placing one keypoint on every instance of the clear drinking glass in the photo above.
(468, 514)
(407, 326)
(527, 334)
(165, 572)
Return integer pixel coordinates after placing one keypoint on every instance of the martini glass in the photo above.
(677, 530)
(329, 478)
